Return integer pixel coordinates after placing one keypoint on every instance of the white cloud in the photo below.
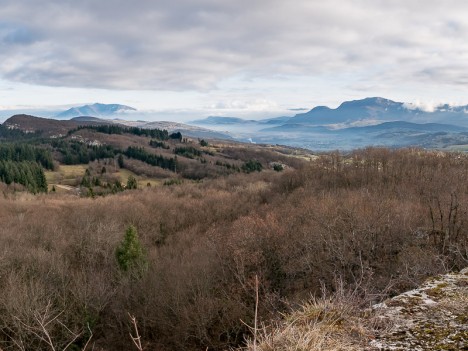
(194, 45)
(427, 106)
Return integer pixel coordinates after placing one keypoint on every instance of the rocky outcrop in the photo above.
(432, 317)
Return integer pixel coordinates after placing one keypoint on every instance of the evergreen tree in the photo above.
(141, 154)
(130, 255)
(177, 136)
(278, 167)
(120, 161)
(252, 166)
(29, 174)
(132, 182)
(117, 187)
(96, 181)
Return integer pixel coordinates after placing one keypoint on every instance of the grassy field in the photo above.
(61, 189)
(123, 174)
(66, 175)
(70, 176)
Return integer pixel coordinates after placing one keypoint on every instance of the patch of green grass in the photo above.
(123, 174)
(66, 174)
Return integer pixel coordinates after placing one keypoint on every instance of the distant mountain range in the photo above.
(377, 109)
(219, 120)
(353, 124)
(95, 110)
(357, 123)
(369, 109)
(373, 110)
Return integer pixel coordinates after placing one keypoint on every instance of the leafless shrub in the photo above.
(364, 218)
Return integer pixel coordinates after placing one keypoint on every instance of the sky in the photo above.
(184, 59)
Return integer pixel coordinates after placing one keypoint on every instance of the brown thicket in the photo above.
(377, 221)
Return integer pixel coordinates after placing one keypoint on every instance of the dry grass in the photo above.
(338, 322)
(70, 175)
(66, 174)
(123, 174)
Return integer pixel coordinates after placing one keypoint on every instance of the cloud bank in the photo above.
(186, 45)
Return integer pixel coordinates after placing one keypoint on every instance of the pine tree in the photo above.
(130, 255)
(132, 182)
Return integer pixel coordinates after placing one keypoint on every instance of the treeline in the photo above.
(228, 165)
(158, 144)
(75, 152)
(141, 154)
(187, 151)
(99, 185)
(27, 173)
(159, 134)
(26, 152)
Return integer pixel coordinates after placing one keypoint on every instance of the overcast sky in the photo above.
(254, 58)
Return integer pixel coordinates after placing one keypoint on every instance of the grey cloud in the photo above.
(182, 44)
(448, 75)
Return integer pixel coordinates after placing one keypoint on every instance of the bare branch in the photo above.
(136, 339)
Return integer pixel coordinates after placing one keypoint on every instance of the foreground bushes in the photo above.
(377, 221)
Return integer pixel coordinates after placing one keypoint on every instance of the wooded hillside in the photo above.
(375, 221)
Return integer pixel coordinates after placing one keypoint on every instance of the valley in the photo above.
(354, 124)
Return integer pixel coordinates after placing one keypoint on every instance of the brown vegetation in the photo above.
(38, 124)
(341, 321)
(377, 221)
